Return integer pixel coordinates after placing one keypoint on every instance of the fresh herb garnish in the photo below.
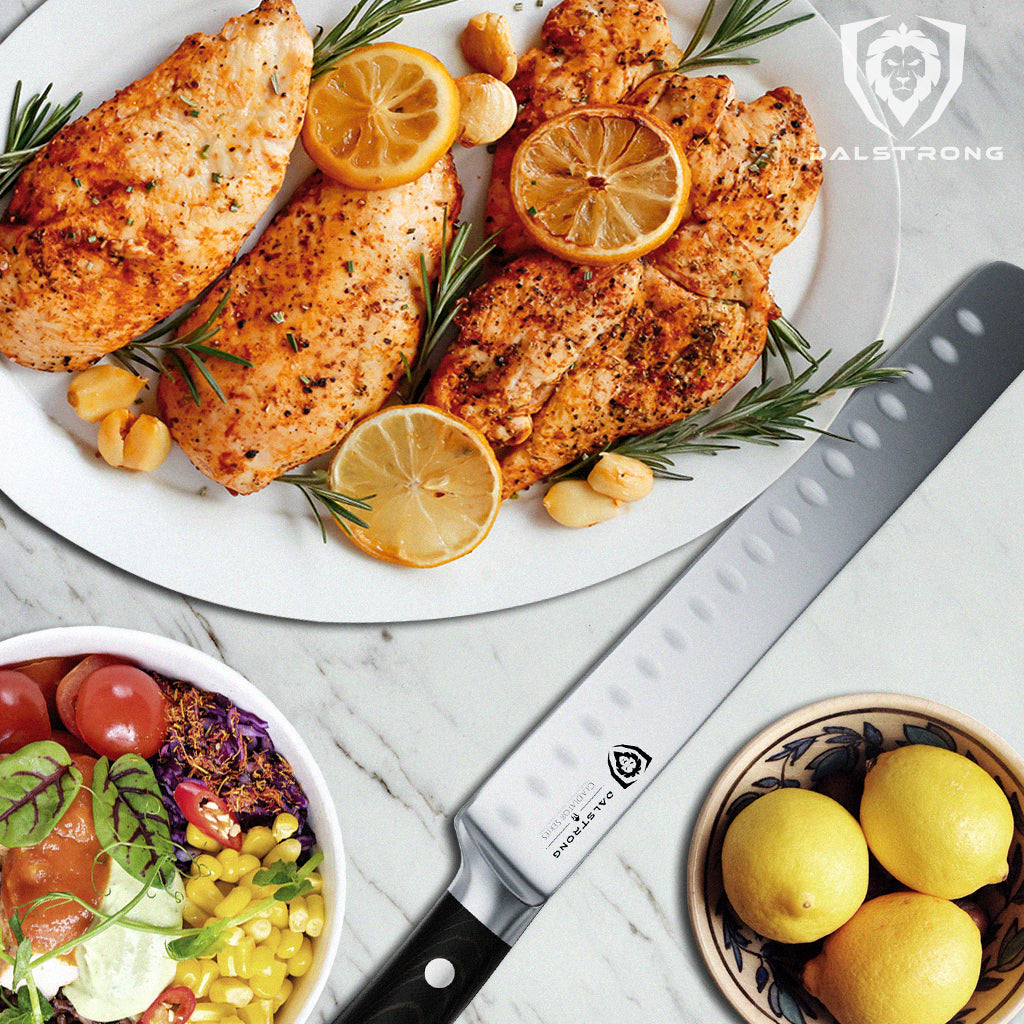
(29, 129)
(130, 818)
(785, 340)
(37, 784)
(456, 274)
(192, 346)
(315, 488)
(744, 24)
(366, 22)
(765, 415)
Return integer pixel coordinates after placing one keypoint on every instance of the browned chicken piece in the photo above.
(134, 208)
(520, 333)
(591, 52)
(760, 172)
(328, 307)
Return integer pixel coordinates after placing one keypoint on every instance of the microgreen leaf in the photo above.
(130, 818)
(37, 784)
(199, 942)
(30, 1007)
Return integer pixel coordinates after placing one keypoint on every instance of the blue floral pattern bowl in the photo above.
(826, 746)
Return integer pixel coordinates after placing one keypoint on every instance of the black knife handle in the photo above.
(434, 975)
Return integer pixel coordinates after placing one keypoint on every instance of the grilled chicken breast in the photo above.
(329, 308)
(134, 208)
(554, 361)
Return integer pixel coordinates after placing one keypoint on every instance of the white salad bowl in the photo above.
(179, 661)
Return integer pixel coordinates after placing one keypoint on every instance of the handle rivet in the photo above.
(439, 972)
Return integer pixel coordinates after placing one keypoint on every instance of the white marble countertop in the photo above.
(407, 718)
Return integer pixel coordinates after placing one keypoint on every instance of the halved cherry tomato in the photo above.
(71, 682)
(23, 715)
(208, 813)
(121, 710)
(173, 1006)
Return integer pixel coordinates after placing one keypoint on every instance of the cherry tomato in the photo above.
(70, 683)
(208, 813)
(120, 710)
(23, 715)
(173, 1006)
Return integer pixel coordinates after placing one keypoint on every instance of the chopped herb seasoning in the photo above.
(350, 266)
(204, 151)
(78, 182)
(215, 177)
(275, 84)
(129, 221)
(129, 188)
(234, 207)
(151, 184)
(532, 211)
(587, 275)
(291, 341)
(277, 316)
(91, 238)
(303, 378)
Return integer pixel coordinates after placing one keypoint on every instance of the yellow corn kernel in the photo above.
(316, 881)
(316, 915)
(249, 879)
(303, 959)
(289, 945)
(287, 850)
(197, 975)
(259, 1011)
(278, 915)
(235, 958)
(207, 1012)
(298, 915)
(101, 389)
(228, 860)
(268, 980)
(259, 841)
(276, 1002)
(285, 825)
(231, 1018)
(230, 990)
(272, 941)
(203, 892)
(234, 903)
(207, 865)
(193, 915)
(200, 840)
(259, 928)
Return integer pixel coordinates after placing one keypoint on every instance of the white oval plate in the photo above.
(264, 553)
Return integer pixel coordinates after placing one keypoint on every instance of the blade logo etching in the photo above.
(627, 763)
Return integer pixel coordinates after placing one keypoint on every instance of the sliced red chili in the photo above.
(173, 1006)
(208, 813)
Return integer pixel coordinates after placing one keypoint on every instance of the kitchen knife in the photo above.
(560, 791)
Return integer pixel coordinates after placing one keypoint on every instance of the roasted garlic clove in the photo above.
(621, 477)
(101, 389)
(575, 503)
(487, 109)
(141, 444)
(487, 46)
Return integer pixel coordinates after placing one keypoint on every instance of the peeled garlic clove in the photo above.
(487, 45)
(575, 503)
(147, 444)
(101, 389)
(487, 109)
(621, 477)
(110, 437)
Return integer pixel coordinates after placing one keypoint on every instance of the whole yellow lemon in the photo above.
(936, 821)
(794, 865)
(903, 958)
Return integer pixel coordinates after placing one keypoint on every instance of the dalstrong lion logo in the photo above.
(914, 72)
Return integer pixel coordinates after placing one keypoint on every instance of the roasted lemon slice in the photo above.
(600, 185)
(381, 116)
(433, 481)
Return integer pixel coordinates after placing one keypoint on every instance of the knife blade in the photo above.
(560, 791)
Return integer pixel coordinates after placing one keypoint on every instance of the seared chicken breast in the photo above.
(134, 208)
(554, 361)
(329, 309)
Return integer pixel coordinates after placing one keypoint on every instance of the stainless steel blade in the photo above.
(567, 783)
(581, 768)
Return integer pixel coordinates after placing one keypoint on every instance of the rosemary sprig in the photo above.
(315, 488)
(784, 340)
(765, 415)
(29, 129)
(192, 346)
(744, 24)
(367, 21)
(456, 274)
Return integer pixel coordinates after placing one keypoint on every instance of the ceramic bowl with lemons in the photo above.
(178, 661)
(826, 747)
